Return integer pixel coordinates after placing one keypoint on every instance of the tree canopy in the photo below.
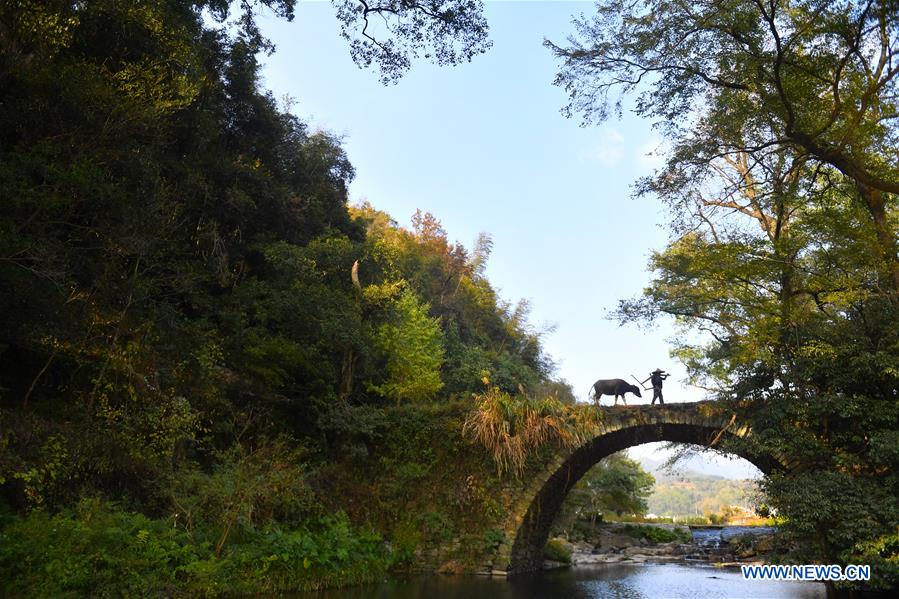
(616, 485)
(813, 79)
(179, 269)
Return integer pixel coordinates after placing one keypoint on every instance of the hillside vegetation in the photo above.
(692, 494)
(215, 375)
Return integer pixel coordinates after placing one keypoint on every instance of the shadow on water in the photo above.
(616, 581)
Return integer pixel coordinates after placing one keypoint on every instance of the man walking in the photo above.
(657, 376)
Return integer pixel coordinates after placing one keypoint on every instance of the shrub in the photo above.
(656, 534)
(95, 549)
(250, 489)
(102, 551)
(557, 551)
(514, 428)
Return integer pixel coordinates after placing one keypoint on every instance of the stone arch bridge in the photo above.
(535, 506)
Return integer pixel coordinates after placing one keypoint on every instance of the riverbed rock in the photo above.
(451, 567)
(667, 548)
(764, 543)
(660, 550)
(613, 546)
(749, 545)
(581, 559)
(613, 541)
(638, 559)
(581, 547)
(586, 559)
(615, 558)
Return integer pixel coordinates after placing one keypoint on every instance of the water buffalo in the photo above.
(616, 387)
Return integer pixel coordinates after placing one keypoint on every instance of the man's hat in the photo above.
(658, 370)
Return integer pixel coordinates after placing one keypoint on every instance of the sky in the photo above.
(483, 146)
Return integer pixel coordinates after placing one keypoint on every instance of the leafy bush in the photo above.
(492, 539)
(250, 488)
(656, 534)
(103, 551)
(557, 551)
(94, 549)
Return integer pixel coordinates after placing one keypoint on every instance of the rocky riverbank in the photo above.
(629, 543)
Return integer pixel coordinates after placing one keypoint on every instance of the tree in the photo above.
(781, 181)
(411, 343)
(388, 34)
(483, 335)
(392, 33)
(142, 289)
(820, 75)
(617, 484)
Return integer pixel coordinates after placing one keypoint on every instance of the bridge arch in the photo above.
(700, 423)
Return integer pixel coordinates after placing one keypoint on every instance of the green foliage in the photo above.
(616, 484)
(792, 76)
(695, 495)
(411, 342)
(247, 490)
(838, 513)
(176, 255)
(48, 466)
(492, 540)
(447, 32)
(94, 549)
(198, 328)
(408, 471)
(657, 534)
(104, 551)
(438, 525)
(620, 485)
(481, 334)
(882, 554)
(557, 551)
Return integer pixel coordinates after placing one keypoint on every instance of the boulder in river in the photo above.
(616, 542)
(764, 543)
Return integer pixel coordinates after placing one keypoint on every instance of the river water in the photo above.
(614, 581)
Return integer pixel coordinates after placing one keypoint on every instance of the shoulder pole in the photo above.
(639, 382)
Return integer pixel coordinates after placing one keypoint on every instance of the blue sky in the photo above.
(484, 147)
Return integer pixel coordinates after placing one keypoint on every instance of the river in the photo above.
(687, 580)
(613, 581)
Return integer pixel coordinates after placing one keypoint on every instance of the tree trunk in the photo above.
(886, 239)
(346, 378)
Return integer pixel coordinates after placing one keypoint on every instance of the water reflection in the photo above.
(616, 581)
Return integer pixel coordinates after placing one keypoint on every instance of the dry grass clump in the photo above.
(514, 428)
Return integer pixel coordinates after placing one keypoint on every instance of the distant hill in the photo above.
(701, 463)
(686, 492)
